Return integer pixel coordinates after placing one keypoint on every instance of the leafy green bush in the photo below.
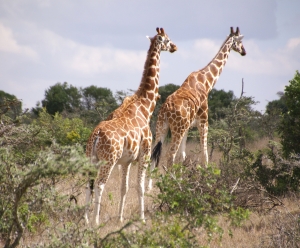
(28, 194)
(289, 125)
(279, 176)
(64, 130)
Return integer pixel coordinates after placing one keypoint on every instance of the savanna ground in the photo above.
(264, 227)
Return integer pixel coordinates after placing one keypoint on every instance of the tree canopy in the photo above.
(60, 97)
(217, 101)
(289, 127)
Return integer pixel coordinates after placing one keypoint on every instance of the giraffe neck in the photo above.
(215, 67)
(148, 89)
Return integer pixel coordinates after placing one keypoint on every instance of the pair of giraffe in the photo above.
(126, 136)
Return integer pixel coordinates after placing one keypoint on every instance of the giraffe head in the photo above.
(237, 44)
(163, 41)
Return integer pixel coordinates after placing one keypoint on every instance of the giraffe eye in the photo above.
(159, 38)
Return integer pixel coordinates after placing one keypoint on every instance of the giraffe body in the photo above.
(188, 107)
(125, 135)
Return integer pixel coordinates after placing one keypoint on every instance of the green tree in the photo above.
(277, 105)
(229, 134)
(289, 126)
(217, 101)
(92, 95)
(267, 123)
(65, 131)
(10, 103)
(60, 97)
(97, 104)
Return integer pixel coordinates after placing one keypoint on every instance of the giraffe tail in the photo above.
(155, 156)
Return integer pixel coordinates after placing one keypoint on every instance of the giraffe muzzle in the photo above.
(243, 53)
(173, 48)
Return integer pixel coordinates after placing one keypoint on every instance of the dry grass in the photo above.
(256, 232)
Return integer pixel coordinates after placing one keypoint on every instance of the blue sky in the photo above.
(104, 43)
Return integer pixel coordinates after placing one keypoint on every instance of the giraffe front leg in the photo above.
(103, 175)
(87, 202)
(141, 188)
(143, 164)
(124, 188)
(98, 195)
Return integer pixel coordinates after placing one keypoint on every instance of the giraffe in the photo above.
(126, 136)
(118, 112)
(188, 107)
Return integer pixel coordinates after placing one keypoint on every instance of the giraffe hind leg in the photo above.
(155, 156)
(102, 178)
(203, 130)
(124, 188)
(182, 146)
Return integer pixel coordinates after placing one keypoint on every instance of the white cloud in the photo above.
(90, 60)
(261, 58)
(200, 49)
(10, 45)
(293, 43)
(93, 60)
(269, 61)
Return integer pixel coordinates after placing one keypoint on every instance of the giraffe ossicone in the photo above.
(126, 136)
(188, 106)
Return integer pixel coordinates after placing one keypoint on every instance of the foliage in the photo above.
(196, 195)
(64, 130)
(39, 158)
(10, 102)
(279, 176)
(217, 101)
(289, 127)
(278, 105)
(189, 200)
(60, 97)
(161, 233)
(30, 167)
(97, 103)
(28, 194)
(93, 94)
(230, 133)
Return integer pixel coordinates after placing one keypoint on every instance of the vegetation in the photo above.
(43, 173)
(289, 127)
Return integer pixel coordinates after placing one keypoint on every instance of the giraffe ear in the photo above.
(148, 37)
